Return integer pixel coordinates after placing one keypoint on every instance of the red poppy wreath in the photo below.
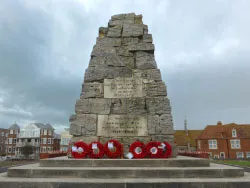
(80, 150)
(113, 149)
(93, 146)
(138, 150)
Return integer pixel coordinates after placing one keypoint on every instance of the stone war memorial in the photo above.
(123, 105)
(123, 96)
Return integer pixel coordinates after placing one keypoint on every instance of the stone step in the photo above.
(174, 162)
(242, 182)
(215, 171)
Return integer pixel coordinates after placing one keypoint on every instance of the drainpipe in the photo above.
(228, 153)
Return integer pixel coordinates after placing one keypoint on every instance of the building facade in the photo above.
(3, 135)
(228, 141)
(11, 140)
(65, 140)
(41, 137)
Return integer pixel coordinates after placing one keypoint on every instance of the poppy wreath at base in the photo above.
(92, 147)
(153, 150)
(80, 150)
(113, 144)
(138, 150)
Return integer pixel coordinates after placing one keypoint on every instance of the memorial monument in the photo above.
(123, 96)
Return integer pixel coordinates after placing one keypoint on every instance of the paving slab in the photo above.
(171, 162)
(7, 182)
(215, 171)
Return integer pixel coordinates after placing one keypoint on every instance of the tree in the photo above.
(27, 150)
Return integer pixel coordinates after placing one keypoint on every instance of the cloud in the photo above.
(202, 49)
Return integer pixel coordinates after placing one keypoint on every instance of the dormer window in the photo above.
(234, 133)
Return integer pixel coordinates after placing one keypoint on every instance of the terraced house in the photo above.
(229, 141)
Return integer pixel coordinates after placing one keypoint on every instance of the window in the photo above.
(49, 132)
(235, 144)
(240, 155)
(44, 140)
(9, 150)
(247, 154)
(14, 141)
(14, 149)
(49, 140)
(11, 131)
(2, 133)
(234, 133)
(10, 140)
(212, 144)
(7, 134)
(45, 132)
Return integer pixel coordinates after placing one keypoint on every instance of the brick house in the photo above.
(11, 140)
(50, 141)
(3, 135)
(229, 141)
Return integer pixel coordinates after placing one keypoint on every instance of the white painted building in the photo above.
(65, 140)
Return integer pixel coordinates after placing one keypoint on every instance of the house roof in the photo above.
(181, 139)
(48, 126)
(225, 131)
(39, 125)
(14, 127)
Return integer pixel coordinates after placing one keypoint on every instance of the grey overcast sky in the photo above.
(202, 49)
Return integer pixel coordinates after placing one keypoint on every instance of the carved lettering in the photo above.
(123, 88)
(122, 125)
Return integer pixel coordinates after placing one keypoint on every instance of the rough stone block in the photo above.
(108, 42)
(93, 106)
(158, 105)
(72, 118)
(142, 46)
(154, 89)
(129, 16)
(115, 31)
(85, 124)
(103, 32)
(132, 30)
(86, 138)
(144, 60)
(109, 60)
(150, 74)
(145, 29)
(128, 106)
(138, 19)
(147, 38)
(130, 40)
(103, 51)
(124, 51)
(163, 138)
(92, 90)
(153, 123)
(113, 23)
(99, 73)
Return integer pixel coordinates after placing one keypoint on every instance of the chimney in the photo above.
(219, 123)
(185, 126)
